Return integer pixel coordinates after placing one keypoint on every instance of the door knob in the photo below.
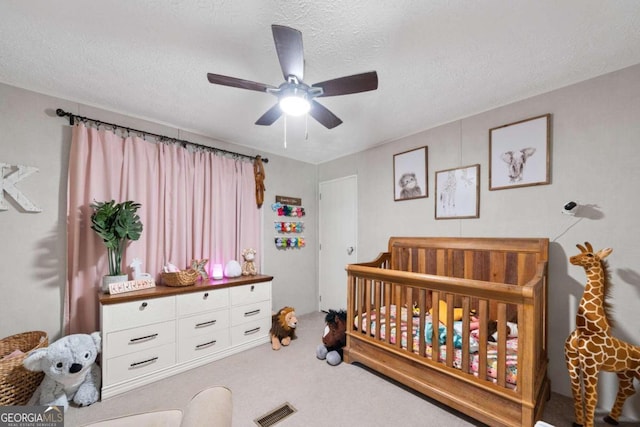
(350, 250)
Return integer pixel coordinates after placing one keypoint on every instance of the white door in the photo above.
(338, 235)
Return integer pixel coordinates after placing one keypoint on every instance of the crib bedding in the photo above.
(492, 349)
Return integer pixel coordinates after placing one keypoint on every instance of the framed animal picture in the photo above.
(410, 174)
(458, 193)
(519, 153)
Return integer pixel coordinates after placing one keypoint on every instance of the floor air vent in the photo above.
(275, 416)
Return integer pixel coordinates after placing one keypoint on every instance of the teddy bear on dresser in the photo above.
(70, 371)
(249, 266)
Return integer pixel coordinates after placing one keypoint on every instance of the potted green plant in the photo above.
(116, 224)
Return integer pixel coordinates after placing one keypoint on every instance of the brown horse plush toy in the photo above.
(334, 338)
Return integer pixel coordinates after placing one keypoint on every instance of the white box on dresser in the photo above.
(154, 333)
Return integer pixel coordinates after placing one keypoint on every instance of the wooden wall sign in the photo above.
(286, 200)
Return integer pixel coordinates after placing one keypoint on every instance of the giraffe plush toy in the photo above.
(591, 348)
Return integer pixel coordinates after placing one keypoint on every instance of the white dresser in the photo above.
(154, 333)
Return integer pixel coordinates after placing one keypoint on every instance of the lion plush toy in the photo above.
(283, 327)
(70, 371)
(334, 338)
(249, 266)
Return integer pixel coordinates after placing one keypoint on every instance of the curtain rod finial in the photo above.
(61, 113)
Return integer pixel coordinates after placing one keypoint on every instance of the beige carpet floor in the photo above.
(324, 396)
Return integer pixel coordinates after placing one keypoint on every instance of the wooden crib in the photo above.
(474, 286)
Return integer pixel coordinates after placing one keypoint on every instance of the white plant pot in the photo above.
(106, 280)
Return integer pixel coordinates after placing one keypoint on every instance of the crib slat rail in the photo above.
(408, 302)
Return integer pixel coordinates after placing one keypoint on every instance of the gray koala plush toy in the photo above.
(71, 373)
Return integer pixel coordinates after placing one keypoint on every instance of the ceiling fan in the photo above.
(294, 96)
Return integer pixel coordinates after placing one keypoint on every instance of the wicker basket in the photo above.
(180, 278)
(17, 384)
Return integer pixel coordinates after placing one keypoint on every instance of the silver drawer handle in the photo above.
(144, 362)
(252, 313)
(204, 324)
(207, 344)
(252, 331)
(145, 338)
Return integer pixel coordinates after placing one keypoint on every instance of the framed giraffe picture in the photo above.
(458, 193)
(519, 153)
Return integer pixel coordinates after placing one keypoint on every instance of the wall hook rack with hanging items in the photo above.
(288, 207)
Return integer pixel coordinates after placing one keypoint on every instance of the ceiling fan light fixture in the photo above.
(294, 102)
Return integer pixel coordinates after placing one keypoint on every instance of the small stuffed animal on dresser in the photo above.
(283, 327)
(249, 266)
(70, 371)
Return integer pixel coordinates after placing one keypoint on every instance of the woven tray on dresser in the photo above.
(180, 278)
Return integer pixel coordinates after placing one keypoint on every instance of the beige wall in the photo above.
(32, 249)
(33, 245)
(594, 160)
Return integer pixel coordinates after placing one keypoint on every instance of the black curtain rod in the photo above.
(72, 117)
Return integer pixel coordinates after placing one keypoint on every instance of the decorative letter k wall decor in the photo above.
(16, 173)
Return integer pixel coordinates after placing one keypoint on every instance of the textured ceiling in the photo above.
(437, 61)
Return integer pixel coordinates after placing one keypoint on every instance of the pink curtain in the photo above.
(195, 204)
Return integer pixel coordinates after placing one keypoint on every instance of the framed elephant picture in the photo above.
(519, 153)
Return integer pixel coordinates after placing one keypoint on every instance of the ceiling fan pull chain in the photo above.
(306, 127)
(285, 131)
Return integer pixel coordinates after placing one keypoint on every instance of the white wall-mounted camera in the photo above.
(570, 208)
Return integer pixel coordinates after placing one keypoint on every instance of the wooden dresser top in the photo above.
(163, 291)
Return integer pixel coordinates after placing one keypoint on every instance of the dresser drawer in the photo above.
(213, 341)
(133, 365)
(249, 312)
(250, 331)
(203, 323)
(202, 301)
(141, 338)
(247, 294)
(137, 313)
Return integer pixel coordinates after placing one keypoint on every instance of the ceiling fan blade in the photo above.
(290, 52)
(235, 82)
(323, 115)
(356, 83)
(272, 114)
